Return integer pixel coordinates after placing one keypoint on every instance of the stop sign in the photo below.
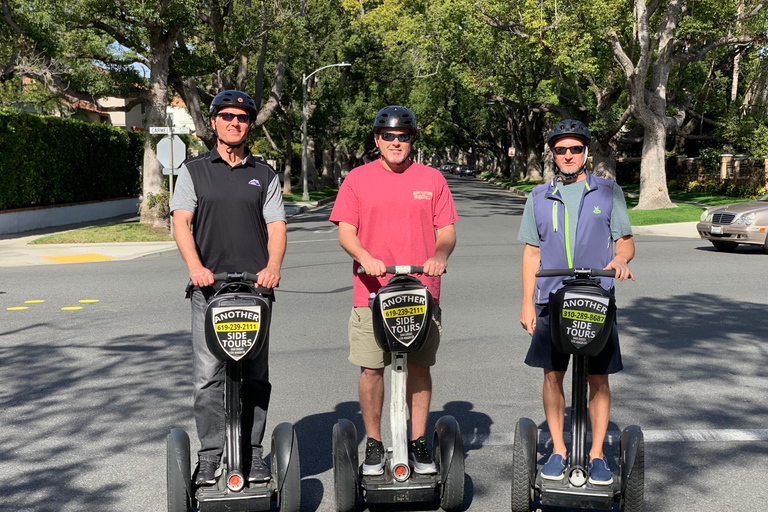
(164, 151)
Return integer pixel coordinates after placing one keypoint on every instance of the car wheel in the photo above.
(765, 245)
(725, 246)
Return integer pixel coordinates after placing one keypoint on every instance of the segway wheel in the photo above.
(286, 467)
(635, 487)
(345, 465)
(522, 485)
(178, 475)
(448, 453)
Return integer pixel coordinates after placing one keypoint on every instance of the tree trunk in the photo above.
(328, 177)
(653, 176)
(313, 183)
(152, 180)
(288, 155)
(533, 156)
(549, 166)
(603, 160)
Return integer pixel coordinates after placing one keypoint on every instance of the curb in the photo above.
(513, 190)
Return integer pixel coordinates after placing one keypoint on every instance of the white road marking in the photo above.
(650, 436)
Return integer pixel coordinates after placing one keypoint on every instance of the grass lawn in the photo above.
(683, 213)
(314, 195)
(123, 232)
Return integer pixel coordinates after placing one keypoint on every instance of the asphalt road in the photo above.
(88, 395)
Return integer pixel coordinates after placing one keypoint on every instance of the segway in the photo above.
(236, 323)
(402, 313)
(581, 317)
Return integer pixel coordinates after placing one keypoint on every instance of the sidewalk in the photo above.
(15, 250)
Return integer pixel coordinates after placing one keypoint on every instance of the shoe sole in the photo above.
(372, 470)
(260, 480)
(601, 482)
(548, 477)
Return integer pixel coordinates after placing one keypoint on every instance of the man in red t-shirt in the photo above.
(394, 211)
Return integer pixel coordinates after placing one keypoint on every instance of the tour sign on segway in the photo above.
(402, 312)
(236, 324)
(581, 319)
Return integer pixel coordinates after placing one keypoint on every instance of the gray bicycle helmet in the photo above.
(569, 127)
(394, 116)
(234, 98)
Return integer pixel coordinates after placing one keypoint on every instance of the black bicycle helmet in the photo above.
(234, 98)
(569, 127)
(394, 116)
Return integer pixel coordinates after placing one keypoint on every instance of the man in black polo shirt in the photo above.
(228, 216)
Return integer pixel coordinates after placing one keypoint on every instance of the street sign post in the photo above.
(170, 149)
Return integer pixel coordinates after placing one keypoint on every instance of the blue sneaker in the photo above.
(599, 474)
(553, 469)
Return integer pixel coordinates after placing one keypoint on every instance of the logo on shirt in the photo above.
(254, 182)
(422, 194)
(597, 210)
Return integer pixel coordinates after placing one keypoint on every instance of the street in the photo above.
(87, 396)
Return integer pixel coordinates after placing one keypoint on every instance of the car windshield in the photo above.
(763, 198)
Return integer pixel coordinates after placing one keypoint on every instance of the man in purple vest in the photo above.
(576, 220)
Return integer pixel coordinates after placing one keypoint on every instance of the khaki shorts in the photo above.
(365, 352)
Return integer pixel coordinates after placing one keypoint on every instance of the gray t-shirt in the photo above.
(571, 194)
(185, 198)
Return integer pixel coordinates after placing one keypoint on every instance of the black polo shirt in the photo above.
(232, 206)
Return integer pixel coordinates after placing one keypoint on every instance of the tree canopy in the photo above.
(650, 77)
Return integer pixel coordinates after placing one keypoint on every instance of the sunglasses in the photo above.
(575, 150)
(228, 116)
(389, 137)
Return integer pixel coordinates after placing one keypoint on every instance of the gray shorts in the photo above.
(365, 352)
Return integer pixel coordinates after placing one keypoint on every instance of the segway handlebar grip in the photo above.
(569, 272)
(397, 270)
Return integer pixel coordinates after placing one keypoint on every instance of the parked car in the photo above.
(733, 224)
(466, 170)
(447, 166)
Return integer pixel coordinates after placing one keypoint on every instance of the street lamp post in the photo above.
(304, 78)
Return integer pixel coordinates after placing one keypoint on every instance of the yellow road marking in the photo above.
(71, 308)
(78, 258)
(33, 301)
(17, 308)
(88, 300)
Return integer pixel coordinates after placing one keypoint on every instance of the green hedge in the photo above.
(49, 160)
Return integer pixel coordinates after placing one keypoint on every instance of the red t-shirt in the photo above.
(396, 215)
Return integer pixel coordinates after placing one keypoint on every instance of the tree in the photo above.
(660, 43)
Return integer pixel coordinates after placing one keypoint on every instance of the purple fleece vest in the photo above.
(594, 244)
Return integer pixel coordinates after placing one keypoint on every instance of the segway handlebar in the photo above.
(399, 270)
(235, 276)
(575, 272)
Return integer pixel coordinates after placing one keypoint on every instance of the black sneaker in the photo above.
(259, 471)
(205, 474)
(418, 454)
(374, 458)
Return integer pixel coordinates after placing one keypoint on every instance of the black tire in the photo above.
(725, 246)
(289, 488)
(176, 481)
(344, 468)
(635, 489)
(452, 491)
(521, 481)
(765, 245)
